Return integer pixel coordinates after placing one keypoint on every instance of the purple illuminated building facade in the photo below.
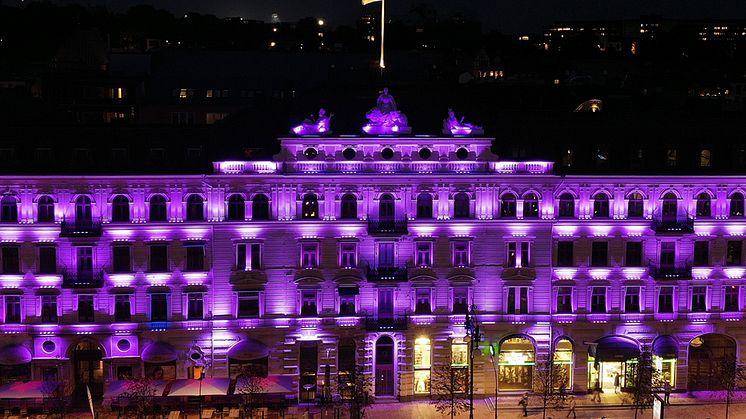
(367, 251)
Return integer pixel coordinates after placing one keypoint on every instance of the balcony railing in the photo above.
(671, 272)
(673, 225)
(396, 227)
(83, 279)
(387, 274)
(81, 228)
(393, 323)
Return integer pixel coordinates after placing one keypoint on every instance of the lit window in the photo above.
(704, 158)
(422, 362)
(459, 353)
(183, 93)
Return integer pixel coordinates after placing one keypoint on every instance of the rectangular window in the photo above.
(600, 254)
(12, 309)
(47, 259)
(525, 254)
(517, 300)
(733, 257)
(195, 258)
(347, 297)
(632, 300)
(248, 256)
(460, 300)
(565, 252)
(699, 299)
(701, 253)
(460, 253)
(122, 308)
(422, 301)
(511, 255)
(459, 353)
(11, 264)
(424, 256)
(309, 365)
(308, 303)
(159, 307)
(598, 300)
(347, 255)
(731, 298)
(668, 254)
(564, 300)
(309, 258)
(248, 304)
(195, 306)
(84, 259)
(85, 309)
(158, 258)
(422, 363)
(49, 309)
(633, 256)
(120, 259)
(665, 300)
(386, 255)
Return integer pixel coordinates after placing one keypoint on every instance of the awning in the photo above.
(116, 388)
(616, 349)
(15, 354)
(203, 387)
(28, 390)
(248, 350)
(349, 290)
(215, 386)
(666, 347)
(159, 353)
(273, 384)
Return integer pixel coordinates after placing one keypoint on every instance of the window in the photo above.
(461, 205)
(731, 298)
(460, 253)
(566, 206)
(85, 309)
(308, 303)
(633, 256)
(422, 301)
(47, 260)
(635, 205)
(530, 206)
(347, 300)
(568, 157)
(736, 205)
(195, 210)
(386, 255)
(12, 309)
(236, 208)
(525, 254)
(348, 207)
(159, 307)
(704, 158)
(11, 263)
(49, 309)
(600, 254)
(507, 206)
(424, 206)
(158, 258)
(565, 252)
(84, 257)
(248, 304)
(120, 209)
(310, 207)
(182, 118)
(346, 354)
(600, 206)
(120, 256)
(564, 300)
(460, 300)
(45, 213)
(260, 207)
(598, 300)
(122, 308)
(158, 211)
(668, 254)
(309, 365)
(422, 362)
(632, 300)
(248, 256)
(701, 253)
(309, 255)
(669, 206)
(83, 209)
(386, 208)
(459, 353)
(9, 209)
(517, 302)
(665, 300)
(195, 306)
(195, 257)
(704, 205)
(734, 253)
(699, 299)
(347, 255)
(511, 256)
(671, 157)
(423, 254)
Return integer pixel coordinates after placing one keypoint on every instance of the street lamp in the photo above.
(473, 337)
(493, 352)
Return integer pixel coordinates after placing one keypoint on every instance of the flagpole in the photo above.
(383, 23)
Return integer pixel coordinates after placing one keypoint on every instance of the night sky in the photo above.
(505, 15)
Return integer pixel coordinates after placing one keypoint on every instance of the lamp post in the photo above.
(493, 352)
(473, 336)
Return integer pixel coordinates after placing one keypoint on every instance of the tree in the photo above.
(732, 376)
(550, 382)
(250, 388)
(647, 380)
(58, 394)
(449, 385)
(139, 393)
(355, 392)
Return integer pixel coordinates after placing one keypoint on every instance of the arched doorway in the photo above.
(88, 367)
(665, 356)
(385, 367)
(709, 354)
(516, 360)
(612, 360)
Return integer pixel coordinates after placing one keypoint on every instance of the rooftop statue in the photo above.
(385, 118)
(315, 125)
(455, 126)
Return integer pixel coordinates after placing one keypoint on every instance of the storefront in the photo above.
(422, 364)
(665, 354)
(248, 357)
(516, 361)
(611, 363)
(563, 361)
(708, 354)
(160, 361)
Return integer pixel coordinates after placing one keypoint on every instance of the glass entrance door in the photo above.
(385, 367)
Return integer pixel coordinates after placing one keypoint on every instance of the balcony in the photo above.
(394, 273)
(519, 273)
(83, 279)
(81, 228)
(671, 272)
(376, 324)
(387, 227)
(673, 225)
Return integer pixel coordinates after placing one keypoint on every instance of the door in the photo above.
(386, 303)
(89, 371)
(385, 367)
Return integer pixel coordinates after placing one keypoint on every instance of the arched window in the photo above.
(563, 360)
(516, 359)
(707, 355)
(236, 208)
(45, 213)
(195, 210)
(531, 206)
(600, 205)
(310, 207)
(120, 209)
(704, 205)
(424, 205)
(348, 210)
(669, 206)
(461, 205)
(566, 206)
(507, 206)
(9, 206)
(635, 205)
(83, 209)
(260, 207)
(736, 205)
(158, 208)
(386, 208)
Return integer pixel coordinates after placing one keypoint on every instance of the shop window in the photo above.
(346, 351)
(160, 371)
(563, 360)
(309, 365)
(459, 353)
(516, 360)
(422, 363)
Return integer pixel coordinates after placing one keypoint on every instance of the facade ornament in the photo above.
(455, 126)
(319, 125)
(384, 118)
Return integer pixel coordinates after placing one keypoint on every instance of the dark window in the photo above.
(347, 300)
(665, 300)
(668, 254)
(45, 212)
(122, 311)
(159, 307)
(309, 365)
(121, 259)
(734, 255)
(12, 309)
(669, 206)
(9, 209)
(731, 298)
(83, 209)
(386, 208)
(736, 205)
(49, 309)
(47, 259)
(158, 258)
(633, 255)
(84, 256)
(348, 210)
(308, 303)
(260, 207)
(507, 206)
(531, 206)
(704, 205)
(699, 299)
(346, 352)
(424, 205)
(310, 207)
(600, 206)
(460, 300)
(158, 208)
(248, 304)
(517, 300)
(511, 256)
(422, 301)
(598, 300)
(566, 206)
(236, 208)
(248, 256)
(635, 206)
(85, 309)
(600, 254)
(564, 300)
(195, 306)
(632, 300)
(120, 209)
(461, 205)
(11, 264)
(195, 210)
(195, 258)
(701, 253)
(565, 252)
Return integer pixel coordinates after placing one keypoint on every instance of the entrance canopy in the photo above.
(159, 353)
(616, 349)
(666, 347)
(15, 355)
(248, 350)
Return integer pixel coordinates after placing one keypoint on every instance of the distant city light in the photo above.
(321, 22)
